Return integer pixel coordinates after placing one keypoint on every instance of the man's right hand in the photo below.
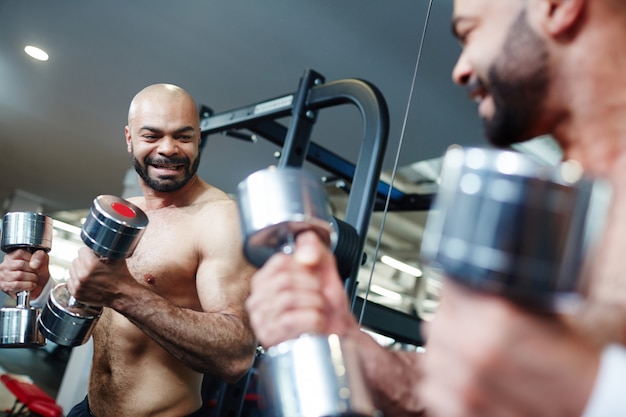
(486, 357)
(300, 293)
(22, 271)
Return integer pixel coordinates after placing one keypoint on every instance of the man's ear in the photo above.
(558, 17)
(128, 137)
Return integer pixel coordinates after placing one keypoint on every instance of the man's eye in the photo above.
(150, 137)
(462, 31)
(186, 137)
(466, 34)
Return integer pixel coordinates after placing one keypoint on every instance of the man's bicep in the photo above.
(223, 276)
(223, 284)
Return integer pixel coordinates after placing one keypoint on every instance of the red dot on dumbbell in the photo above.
(123, 209)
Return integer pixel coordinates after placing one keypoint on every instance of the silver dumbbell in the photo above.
(312, 375)
(275, 205)
(506, 224)
(112, 230)
(30, 231)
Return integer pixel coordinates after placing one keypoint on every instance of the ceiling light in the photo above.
(401, 266)
(385, 292)
(36, 53)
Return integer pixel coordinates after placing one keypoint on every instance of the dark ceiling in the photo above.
(62, 121)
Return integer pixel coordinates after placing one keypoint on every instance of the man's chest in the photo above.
(166, 258)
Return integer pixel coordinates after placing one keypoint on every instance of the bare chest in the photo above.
(166, 258)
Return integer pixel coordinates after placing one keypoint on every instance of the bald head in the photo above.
(165, 97)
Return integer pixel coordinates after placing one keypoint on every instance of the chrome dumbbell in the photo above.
(275, 205)
(112, 230)
(32, 232)
(504, 223)
(312, 375)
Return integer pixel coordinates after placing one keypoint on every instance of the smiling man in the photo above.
(534, 67)
(174, 310)
(507, 77)
(540, 67)
(170, 170)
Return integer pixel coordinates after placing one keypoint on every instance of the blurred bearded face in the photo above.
(517, 81)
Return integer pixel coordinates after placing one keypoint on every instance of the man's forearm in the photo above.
(393, 378)
(216, 343)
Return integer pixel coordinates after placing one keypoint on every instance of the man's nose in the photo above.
(462, 71)
(168, 146)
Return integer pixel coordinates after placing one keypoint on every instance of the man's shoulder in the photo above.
(137, 200)
(214, 198)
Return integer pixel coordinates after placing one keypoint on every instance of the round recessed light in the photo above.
(36, 53)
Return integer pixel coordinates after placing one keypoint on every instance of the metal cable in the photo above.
(395, 166)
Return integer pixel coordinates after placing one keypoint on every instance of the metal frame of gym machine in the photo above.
(366, 192)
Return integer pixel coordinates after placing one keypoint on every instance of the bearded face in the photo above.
(517, 81)
(183, 170)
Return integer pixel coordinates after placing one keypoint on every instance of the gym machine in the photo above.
(366, 193)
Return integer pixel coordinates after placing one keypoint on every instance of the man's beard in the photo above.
(517, 82)
(166, 184)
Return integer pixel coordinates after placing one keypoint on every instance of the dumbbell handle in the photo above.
(290, 246)
(23, 299)
(73, 302)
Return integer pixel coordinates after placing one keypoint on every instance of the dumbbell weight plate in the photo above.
(314, 376)
(66, 323)
(275, 205)
(18, 328)
(113, 227)
(505, 224)
(26, 230)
